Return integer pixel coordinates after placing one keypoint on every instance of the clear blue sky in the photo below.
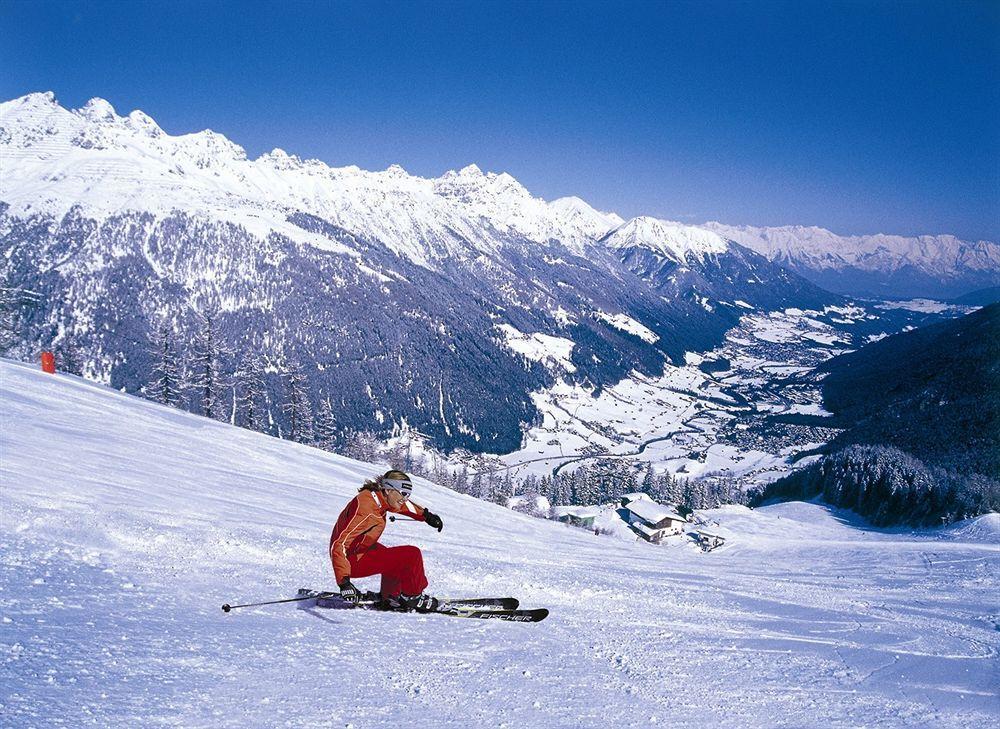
(857, 116)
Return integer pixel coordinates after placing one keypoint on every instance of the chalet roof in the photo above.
(652, 512)
(580, 512)
(635, 496)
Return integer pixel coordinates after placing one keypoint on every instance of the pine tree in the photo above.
(461, 481)
(622, 478)
(408, 460)
(251, 393)
(689, 498)
(419, 467)
(16, 305)
(439, 469)
(529, 485)
(326, 426)
(579, 495)
(561, 493)
(68, 357)
(8, 319)
(694, 495)
(297, 406)
(506, 489)
(650, 484)
(167, 385)
(478, 483)
(545, 487)
(670, 489)
(206, 380)
(363, 446)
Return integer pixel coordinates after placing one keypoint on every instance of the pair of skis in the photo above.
(481, 608)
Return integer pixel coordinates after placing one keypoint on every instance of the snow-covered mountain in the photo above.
(126, 525)
(104, 164)
(686, 261)
(404, 298)
(941, 266)
(673, 241)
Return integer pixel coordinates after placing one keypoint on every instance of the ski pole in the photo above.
(227, 607)
(396, 518)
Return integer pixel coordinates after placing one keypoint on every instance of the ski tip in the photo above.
(226, 608)
(541, 614)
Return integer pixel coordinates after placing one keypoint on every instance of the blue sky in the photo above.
(857, 116)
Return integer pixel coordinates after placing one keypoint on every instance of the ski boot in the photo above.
(406, 603)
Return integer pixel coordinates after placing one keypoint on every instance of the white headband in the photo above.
(398, 484)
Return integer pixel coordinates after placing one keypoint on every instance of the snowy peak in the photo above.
(37, 120)
(573, 211)
(98, 109)
(470, 183)
(141, 122)
(91, 158)
(35, 100)
(674, 241)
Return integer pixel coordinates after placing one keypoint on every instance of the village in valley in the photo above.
(637, 516)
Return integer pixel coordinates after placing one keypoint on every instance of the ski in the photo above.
(515, 616)
(504, 603)
(480, 608)
(333, 600)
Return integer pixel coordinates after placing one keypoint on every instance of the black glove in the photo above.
(349, 592)
(433, 520)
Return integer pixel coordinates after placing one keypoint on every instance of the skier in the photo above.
(356, 551)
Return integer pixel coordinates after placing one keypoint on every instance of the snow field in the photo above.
(126, 525)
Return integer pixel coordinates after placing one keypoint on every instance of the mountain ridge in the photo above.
(943, 266)
(207, 166)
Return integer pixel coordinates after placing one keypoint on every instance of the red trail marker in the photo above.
(48, 363)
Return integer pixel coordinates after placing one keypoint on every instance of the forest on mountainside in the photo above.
(921, 418)
(933, 392)
(889, 487)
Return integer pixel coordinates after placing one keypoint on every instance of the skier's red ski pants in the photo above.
(402, 568)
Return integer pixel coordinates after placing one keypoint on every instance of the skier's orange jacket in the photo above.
(360, 525)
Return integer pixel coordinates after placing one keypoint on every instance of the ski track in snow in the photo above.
(125, 526)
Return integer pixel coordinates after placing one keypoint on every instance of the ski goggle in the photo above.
(398, 484)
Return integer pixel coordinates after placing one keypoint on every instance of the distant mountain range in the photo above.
(881, 266)
(400, 296)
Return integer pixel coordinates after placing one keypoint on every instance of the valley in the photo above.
(715, 416)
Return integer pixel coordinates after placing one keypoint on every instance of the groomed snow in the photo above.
(126, 525)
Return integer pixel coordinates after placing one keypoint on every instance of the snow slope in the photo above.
(125, 526)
